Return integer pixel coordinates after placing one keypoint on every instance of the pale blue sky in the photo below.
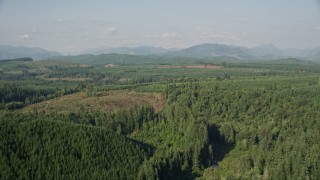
(72, 26)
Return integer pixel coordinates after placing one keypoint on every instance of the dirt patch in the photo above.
(111, 65)
(159, 102)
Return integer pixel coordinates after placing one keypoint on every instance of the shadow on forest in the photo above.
(170, 167)
(149, 149)
(221, 146)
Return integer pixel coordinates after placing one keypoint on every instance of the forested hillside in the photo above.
(243, 120)
(43, 149)
(266, 130)
(125, 59)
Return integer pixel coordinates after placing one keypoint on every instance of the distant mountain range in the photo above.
(262, 52)
(213, 50)
(207, 50)
(141, 50)
(12, 52)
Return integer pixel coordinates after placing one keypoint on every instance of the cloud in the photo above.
(169, 35)
(221, 38)
(210, 34)
(24, 36)
(108, 32)
(99, 23)
(64, 20)
(60, 34)
(216, 36)
(111, 30)
(203, 30)
(318, 27)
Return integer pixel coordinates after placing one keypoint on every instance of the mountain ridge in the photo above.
(208, 50)
(36, 53)
(139, 50)
(205, 50)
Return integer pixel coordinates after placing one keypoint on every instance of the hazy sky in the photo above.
(71, 26)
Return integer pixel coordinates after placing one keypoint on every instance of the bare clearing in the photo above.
(105, 101)
(65, 79)
(199, 66)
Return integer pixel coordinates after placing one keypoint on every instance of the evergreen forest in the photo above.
(151, 117)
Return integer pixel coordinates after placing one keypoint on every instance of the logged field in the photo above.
(104, 101)
(46, 63)
(65, 79)
(199, 66)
